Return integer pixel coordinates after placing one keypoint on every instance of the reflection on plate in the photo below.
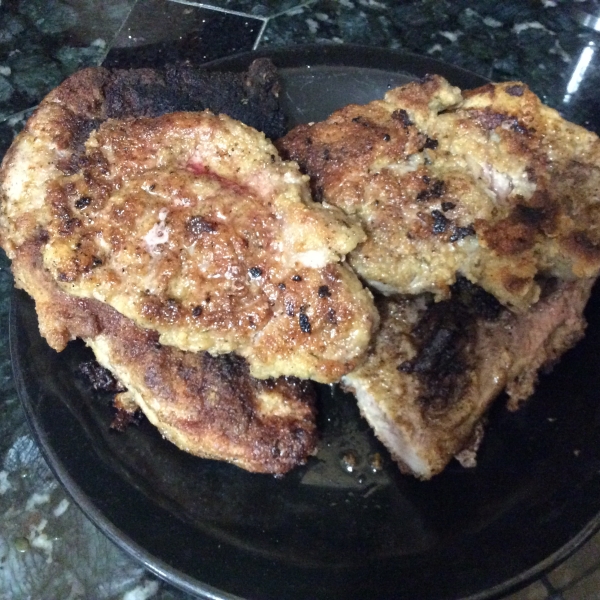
(322, 531)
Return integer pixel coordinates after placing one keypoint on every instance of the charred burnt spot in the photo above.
(475, 300)
(515, 90)
(77, 130)
(446, 206)
(440, 222)
(96, 262)
(318, 192)
(255, 272)
(269, 384)
(435, 189)
(324, 291)
(442, 338)
(326, 154)
(430, 144)
(197, 311)
(519, 128)
(531, 174)
(82, 202)
(534, 216)
(199, 225)
(402, 117)
(360, 120)
(304, 321)
(387, 137)
(67, 223)
(101, 379)
(229, 367)
(489, 120)
(123, 418)
(459, 233)
(250, 96)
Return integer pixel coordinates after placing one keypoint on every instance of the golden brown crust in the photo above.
(209, 406)
(490, 184)
(189, 224)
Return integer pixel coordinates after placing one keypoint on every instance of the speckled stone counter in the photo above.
(42, 41)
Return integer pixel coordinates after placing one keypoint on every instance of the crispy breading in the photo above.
(492, 185)
(191, 225)
(208, 406)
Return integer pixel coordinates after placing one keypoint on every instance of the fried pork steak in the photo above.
(208, 406)
(435, 368)
(190, 225)
(138, 236)
(489, 184)
(482, 214)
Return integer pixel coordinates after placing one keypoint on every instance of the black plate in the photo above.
(321, 531)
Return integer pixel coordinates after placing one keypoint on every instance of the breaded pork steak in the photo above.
(190, 225)
(490, 184)
(208, 406)
(436, 367)
(83, 227)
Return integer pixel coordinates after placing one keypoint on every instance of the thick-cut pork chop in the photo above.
(489, 184)
(209, 406)
(191, 225)
(435, 368)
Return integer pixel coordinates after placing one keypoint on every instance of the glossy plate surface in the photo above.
(321, 531)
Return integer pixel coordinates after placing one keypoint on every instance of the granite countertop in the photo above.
(542, 42)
